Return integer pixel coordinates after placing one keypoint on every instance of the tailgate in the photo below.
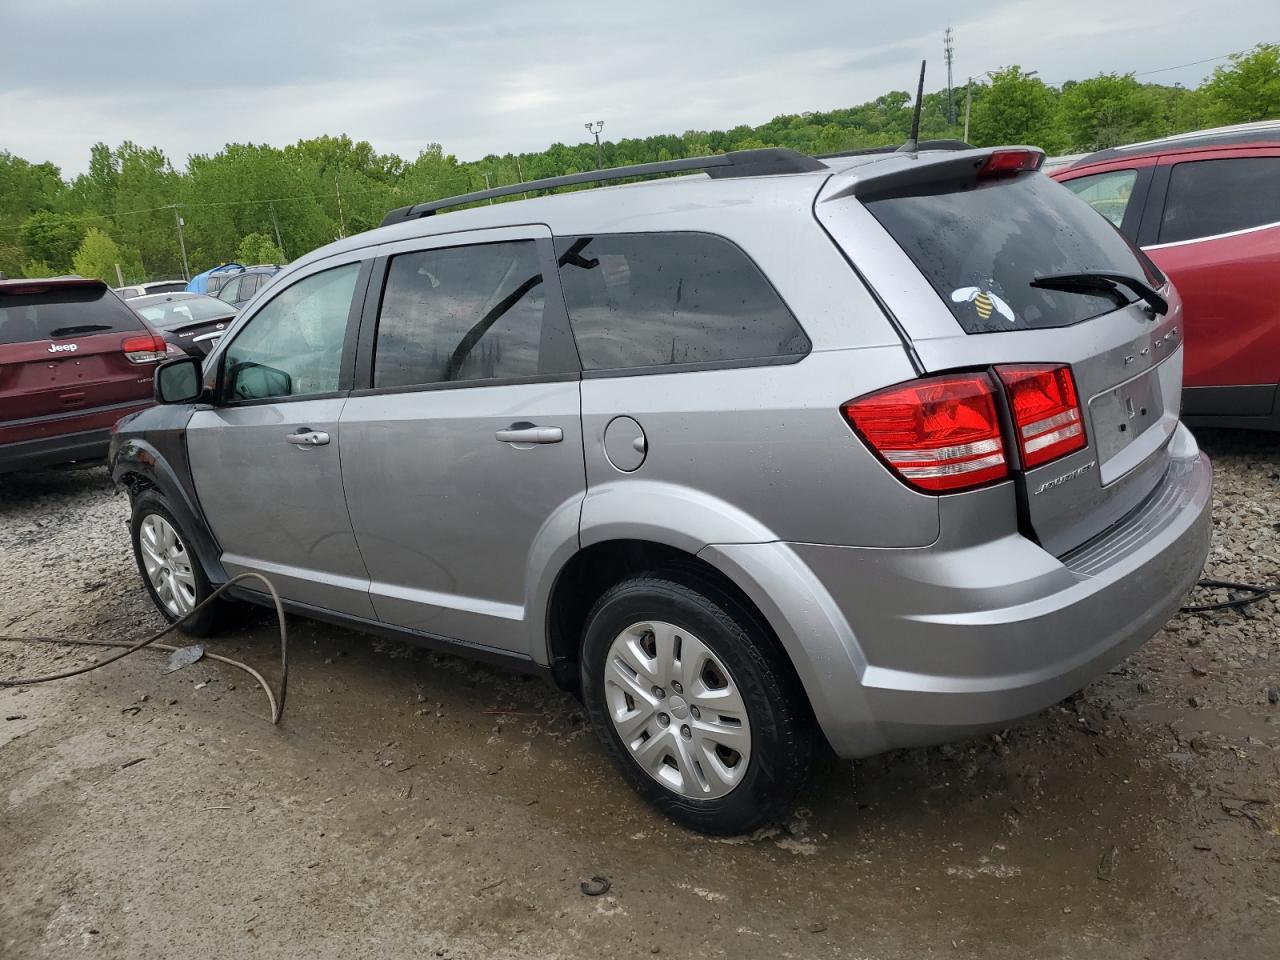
(61, 351)
(952, 257)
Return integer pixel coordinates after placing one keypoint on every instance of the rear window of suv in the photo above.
(56, 312)
(980, 246)
(671, 299)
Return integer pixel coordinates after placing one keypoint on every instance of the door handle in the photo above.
(528, 433)
(306, 437)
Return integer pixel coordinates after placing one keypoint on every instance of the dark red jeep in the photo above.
(73, 360)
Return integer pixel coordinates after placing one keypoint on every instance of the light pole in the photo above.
(182, 243)
(595, 128)
(968, 99)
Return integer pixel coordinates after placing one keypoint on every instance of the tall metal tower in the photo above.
(949, 50)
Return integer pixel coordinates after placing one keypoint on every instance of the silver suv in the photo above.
(885, 447)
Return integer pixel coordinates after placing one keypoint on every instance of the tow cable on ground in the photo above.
(276, 700)
(1254, 591)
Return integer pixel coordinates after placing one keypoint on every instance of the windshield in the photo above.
(981, 245)
(172, 314)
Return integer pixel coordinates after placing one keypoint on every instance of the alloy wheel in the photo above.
(168, 565)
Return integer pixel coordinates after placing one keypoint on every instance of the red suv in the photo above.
(73, 360)
(1205, 207)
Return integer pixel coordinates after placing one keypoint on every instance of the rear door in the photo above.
(953, 257)
(462, 453)
(62, 353)
(1218, 238)
(265, 458)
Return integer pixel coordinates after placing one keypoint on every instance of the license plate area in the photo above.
(1122, 414)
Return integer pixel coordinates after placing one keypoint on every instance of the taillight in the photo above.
(1047, 417)
(1006, 162)
(144, 349)
(940, 434)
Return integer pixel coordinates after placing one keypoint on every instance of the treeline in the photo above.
(264, 203)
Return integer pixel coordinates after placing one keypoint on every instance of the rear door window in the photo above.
(1211, 197)
(980, 246)
(1109, 193)
(468, 313)
(56, 312)
(670, 299)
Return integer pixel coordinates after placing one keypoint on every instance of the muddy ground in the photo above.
(420, 805)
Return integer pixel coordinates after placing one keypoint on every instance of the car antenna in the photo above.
(913, 142)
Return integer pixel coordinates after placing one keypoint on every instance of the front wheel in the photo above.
(695, 704)
(170, 570)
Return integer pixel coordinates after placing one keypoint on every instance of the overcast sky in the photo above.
(494, 76)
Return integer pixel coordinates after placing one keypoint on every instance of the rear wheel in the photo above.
(171, 572)
(694, 704)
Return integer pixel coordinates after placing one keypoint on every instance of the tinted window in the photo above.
(1208, 197)
(1109, 193)
(657, 299)
(460, 313)
(980, 246)
(293, 345)
(229, 290)
(248, 286)
(60, 312)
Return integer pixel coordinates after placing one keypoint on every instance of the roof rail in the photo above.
(922, 145)
(739, 163)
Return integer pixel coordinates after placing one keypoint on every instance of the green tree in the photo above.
(1248, 88)
(1017, 108)
(1108, 110)
(258, 248)
(98, 256)
(51, 238)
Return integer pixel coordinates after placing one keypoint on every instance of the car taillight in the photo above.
(939, 435)
(144, 349)
(1006, 162)
(1047, 417)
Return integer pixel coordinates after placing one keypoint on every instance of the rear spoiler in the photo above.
(44, 284)
(901, 174)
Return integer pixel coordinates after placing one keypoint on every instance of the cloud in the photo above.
(505, 75)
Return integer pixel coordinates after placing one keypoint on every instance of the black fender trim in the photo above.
(146, 454)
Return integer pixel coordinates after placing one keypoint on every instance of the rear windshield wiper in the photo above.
(1106, 282)
(78, 330)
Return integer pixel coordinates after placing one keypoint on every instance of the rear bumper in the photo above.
(50, 451)
(942, 642)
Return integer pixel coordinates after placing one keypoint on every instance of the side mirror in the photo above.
(256, 381)
(178, 381)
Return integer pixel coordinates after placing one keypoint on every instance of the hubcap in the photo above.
(655, 672)
(164, 556)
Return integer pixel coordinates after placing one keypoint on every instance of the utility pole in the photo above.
(342, 223)
(594, 129)
(968, 101)
(487, 187)
(949, 50)
(276, 223)
(182, 243)
(519, 170)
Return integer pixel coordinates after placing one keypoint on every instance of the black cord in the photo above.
(277, 703)
(1256, 592)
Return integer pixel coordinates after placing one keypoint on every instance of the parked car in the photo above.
(211, 280)
(1206, 207)
(146, 289)
(239, 289)
(191, 322)
(888, 445)
(73, 360)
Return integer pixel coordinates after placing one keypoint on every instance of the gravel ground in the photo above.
(416, 804)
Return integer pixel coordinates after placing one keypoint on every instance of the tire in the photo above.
(151, 514)
(696, 767)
